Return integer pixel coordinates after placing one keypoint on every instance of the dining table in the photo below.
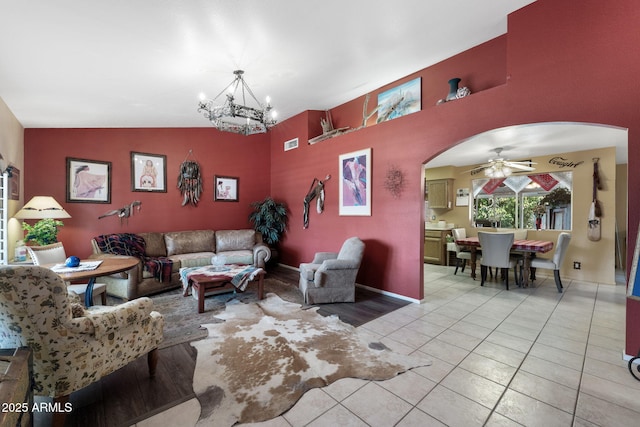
(526, 247)
(103, 267)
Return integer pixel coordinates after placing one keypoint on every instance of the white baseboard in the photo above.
(389, 294)
(289, 267)
(627, 357)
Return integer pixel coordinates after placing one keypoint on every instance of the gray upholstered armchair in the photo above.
(331, 277)
(72, 346)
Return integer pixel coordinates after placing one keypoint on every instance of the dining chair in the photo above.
(55, 253)
(496, 252)
(462, 255)
(555, 263)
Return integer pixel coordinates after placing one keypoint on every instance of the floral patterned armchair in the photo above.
(72, 346)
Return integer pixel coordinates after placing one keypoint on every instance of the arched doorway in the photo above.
(557, 146)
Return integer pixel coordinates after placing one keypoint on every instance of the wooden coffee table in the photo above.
(202, 283)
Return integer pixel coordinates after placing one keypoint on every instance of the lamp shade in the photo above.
(41, 207)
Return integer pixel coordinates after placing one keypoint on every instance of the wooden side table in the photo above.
(16, 393)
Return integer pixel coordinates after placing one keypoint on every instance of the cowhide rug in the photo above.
(265, 355)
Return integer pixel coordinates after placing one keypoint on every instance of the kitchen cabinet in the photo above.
(440, 193)
(435, 246)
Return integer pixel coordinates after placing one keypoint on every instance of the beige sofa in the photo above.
(183, 249)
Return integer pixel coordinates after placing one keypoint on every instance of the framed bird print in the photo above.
(355, 185)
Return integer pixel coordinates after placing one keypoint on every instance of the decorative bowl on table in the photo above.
(219, 262)
(72, 261)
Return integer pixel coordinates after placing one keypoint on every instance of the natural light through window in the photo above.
(534, 201)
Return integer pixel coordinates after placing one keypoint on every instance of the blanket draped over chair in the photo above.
(130, 244)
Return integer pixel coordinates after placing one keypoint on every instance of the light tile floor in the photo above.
(530, 357)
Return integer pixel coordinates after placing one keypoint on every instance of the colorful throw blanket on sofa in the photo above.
(130, 244)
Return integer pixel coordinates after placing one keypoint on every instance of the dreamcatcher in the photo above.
(190, 181)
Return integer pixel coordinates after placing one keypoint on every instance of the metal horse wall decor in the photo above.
(315, 191)
(124, 212)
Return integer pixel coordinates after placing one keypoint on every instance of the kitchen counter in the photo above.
(434, 226)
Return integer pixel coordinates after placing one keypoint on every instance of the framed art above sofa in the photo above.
(148, 172)
(88, 181)
(226, 189)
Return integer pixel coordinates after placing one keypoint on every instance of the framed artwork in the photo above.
(88, 181)
(355, 185)
(226, 189)
(148, 172)
(291, 144)
(14, 183)
(400, 101)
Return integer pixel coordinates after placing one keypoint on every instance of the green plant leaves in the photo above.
(43, 232)
(270, 219)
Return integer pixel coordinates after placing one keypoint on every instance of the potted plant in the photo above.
(539, 210)
(269, 218)
(558, 197)
(43, 232)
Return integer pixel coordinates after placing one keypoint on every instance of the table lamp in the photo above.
(48, 211)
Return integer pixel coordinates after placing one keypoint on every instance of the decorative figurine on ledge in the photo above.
(455, 92)
(327, 130)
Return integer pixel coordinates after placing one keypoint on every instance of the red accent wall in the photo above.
(559, 62)
(225, 154)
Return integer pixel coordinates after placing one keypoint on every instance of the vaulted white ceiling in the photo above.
(143, 63)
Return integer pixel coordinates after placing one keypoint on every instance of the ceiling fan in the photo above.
(499, 167)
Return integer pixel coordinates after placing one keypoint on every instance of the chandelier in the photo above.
(238, 118)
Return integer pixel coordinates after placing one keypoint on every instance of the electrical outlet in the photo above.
(577, 265)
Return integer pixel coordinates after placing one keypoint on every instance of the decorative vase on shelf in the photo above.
(453, 89)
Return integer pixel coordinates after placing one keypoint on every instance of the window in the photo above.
(536, 201)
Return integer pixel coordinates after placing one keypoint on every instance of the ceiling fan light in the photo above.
(498, 170)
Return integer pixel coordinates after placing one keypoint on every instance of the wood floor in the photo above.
(130, 395)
